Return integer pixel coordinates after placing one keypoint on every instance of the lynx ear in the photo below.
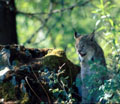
(92, 35)
(76, 35)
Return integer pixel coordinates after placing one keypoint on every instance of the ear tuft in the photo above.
(92, 35)
(76, 35)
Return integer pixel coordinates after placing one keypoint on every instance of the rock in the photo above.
(37, 75)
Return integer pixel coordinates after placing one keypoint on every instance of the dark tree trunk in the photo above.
(8, 33)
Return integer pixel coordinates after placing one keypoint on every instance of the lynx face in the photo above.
(84, 46)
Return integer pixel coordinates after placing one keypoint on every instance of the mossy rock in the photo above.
(55, 59)
(28, 60)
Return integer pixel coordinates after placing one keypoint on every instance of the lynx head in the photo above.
(85, 46)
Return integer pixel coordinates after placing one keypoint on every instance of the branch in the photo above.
(48, 32)
(71, 7)
(41, 27)
(57, 10)
(32, 16)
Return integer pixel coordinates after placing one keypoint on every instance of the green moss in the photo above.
(7, 91)
(57, 52)
(55, 59)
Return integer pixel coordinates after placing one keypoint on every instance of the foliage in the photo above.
(107, 90)
(58, 86)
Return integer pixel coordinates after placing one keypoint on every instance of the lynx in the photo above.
(88, 50)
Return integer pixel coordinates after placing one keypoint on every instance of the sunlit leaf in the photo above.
(98, 22)
(111, 22)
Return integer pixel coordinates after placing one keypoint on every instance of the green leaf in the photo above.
(101, 28)
(98, 22)
(55, 90)
(111, 22)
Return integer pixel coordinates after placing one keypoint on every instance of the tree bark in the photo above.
(8, 33)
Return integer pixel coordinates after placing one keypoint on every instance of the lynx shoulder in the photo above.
(88, 50)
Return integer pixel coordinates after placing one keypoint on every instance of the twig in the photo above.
(26, 78)
(30, 38)
(61, 84)
(42, 86)
(60, 67)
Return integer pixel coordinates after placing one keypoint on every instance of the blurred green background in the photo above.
(51, 23)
